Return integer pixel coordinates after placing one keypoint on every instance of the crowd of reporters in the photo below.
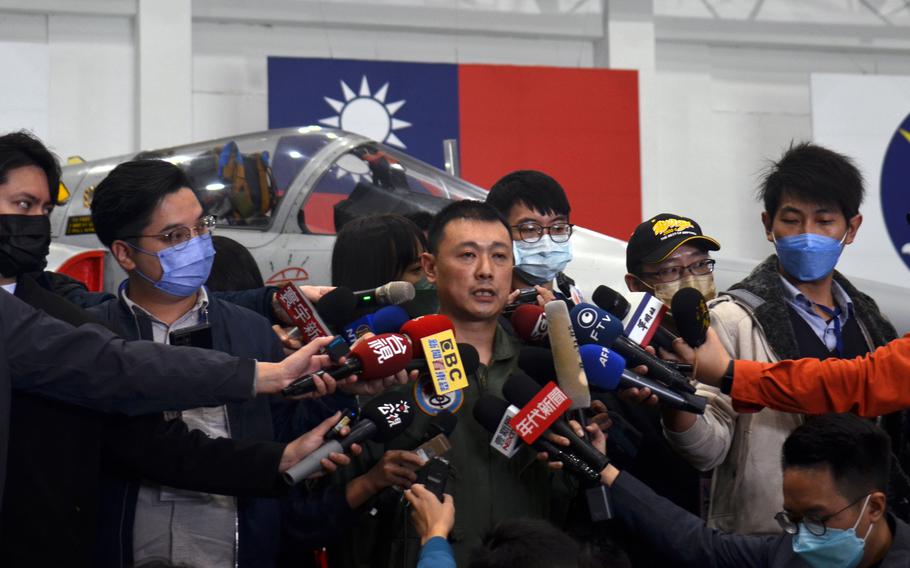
(251, 441)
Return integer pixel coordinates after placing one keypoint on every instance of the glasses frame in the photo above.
(683, 269)
(541, 230)
(205, 226)
(791, 527)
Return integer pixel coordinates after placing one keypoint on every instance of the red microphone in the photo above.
(418, 328)
(530, 323)
(370, 359)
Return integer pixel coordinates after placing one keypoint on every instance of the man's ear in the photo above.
(633, 284)
(877, 506)
(428, 263)
(766, 221)
(123, 254)
(852, 227)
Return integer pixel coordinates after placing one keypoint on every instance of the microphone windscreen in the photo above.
(520, 389)
(603, 367)
(538, 363)
(612, 301)
(396, 292)
(337, 306)
(444, 422)
(423, 326)
(391, 412)
(691, 315)
(389, 319)
(488, 411)
(529, 322)
(383, 355)
(470, 359)
(594, 325)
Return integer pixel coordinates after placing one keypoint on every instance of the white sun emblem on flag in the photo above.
(367, 113)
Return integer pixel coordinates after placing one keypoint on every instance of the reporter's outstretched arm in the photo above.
(433, 520)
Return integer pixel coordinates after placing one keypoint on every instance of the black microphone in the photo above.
(383, 418)
(520, 389)
(606, 369)
(690, 311)
(537, 363)
(610, 300)
(337, 307)
(393, 293)
(489, 411)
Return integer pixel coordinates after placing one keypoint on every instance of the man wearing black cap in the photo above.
(668, 252)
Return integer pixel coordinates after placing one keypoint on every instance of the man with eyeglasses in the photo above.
(792, 305)
(835, 471)
(537, 211)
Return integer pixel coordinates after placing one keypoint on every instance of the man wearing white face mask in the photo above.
(792, 305)
(537, 209)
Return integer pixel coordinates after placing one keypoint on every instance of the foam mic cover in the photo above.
(337, 306)
(389, 319)
(690, 312)
(393, 293)
(520, 389)
(383, 418)
(488, 411)
(607, 371)
(537, 362)
(423, 326)
(530, 323)
(382, 355)
(570, 373)
(594, 325)
(608, 299)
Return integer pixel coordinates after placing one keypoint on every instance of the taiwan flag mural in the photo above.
(578, 125)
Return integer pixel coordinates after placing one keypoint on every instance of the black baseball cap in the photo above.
(657, 238)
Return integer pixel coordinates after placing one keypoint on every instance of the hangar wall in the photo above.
(720, 95)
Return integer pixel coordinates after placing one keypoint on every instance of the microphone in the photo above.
(383, 418)
(593, 325)
(470, 360)
(691, 315)
(639, 326)
(392, 293)
(337, 307)
(520, 389)
(375, 358)
(421, 327)
(570, 374)
(537, 363)
(525, 296)
(607, 370)
(490, 412)
(530, 323)
(388, 319)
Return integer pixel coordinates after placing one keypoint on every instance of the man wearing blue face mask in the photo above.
(793, 305)
(537, 209)
(834, 513)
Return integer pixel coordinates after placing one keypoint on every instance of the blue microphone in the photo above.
(384, 320)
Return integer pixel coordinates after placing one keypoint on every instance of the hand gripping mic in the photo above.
(383, 418)
(691, 315)
(371, 359)
(608, 299)
(421, 327)
(530, 323)
(393, 293)
(593, 325)
(520, 389)
(489, 411)
(606, 370)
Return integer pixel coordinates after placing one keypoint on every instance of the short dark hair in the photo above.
(534, 189)
(371, 251)
(533, 543)
(234, 268)
(125, 200)
(855, 450)
(20, 149)
(814, 174)
(467, 209)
